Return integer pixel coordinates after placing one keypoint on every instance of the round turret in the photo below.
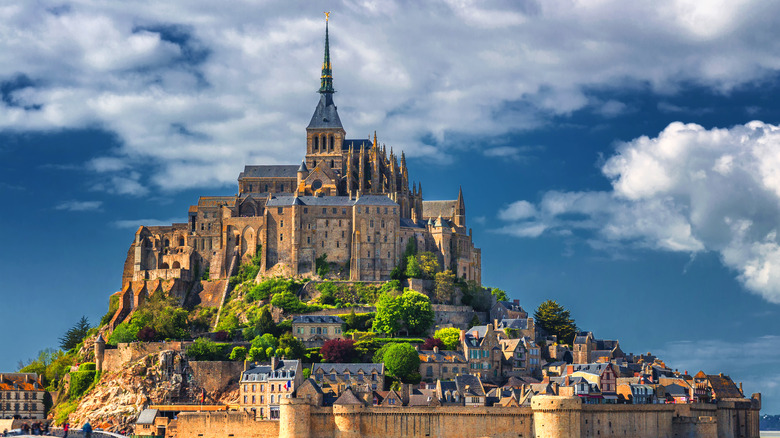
(556, 417)
(294, 418)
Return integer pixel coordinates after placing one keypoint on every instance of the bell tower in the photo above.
(325, 134)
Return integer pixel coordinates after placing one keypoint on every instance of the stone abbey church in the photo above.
(347, 199)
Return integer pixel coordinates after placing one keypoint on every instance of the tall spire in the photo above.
(326, 80)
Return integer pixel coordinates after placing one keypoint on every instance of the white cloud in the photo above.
(79, 205)
(689, 189)
(196, 87)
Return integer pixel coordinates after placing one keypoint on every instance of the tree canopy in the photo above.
(556, 320)
(75, 334)
(403, 362)
(450, 336)
(338, 351)
(411, 309)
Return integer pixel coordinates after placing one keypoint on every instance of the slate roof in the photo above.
(434, 209)
(270, 171)
(354, 368)
(510, 305)
(357, 143)
(408, 223)
(316, 319)
(147, 416)
(285, 369)
(590, 368)
(375, 200)
(348, 398)
(676, 390)
(474, 385)
(518, 324)
(325, 115)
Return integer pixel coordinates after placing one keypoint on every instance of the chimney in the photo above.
(462, 335)
(516, 302)
(405, 388)
(495, 324)
(436, 349)
(569, 369)
(246, 363)
(740, 388)
(567, 382)
(274, 362)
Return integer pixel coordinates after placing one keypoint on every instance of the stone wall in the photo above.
(548, 417)
(115, 358)
(456, 316)
(224, 424)
(215, 376)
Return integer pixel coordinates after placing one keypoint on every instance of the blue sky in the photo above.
(622, 158)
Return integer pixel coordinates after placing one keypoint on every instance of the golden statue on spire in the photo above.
(327, 14)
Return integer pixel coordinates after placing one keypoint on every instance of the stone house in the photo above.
(508, 310)
(588, 349)
(444, 364)
(636, 393)
(314, 330)
(310, 391)
(21, 396)
(518, 327)
(387, 399)
(262, 387)
(603, 375)
(464, 390)
(482, 349)
(363, 378)
(580, 387)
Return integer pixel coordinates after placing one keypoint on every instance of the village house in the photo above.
(360, 377)
(482, 349)
(441, 364)
(314, 330)
(588, 349)
(21, 396)
(464, 390)
(262, 387)
(603, 375)
(636, 393)
(507, 310)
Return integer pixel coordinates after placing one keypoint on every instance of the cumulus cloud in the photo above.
(689, 189)
(196, 87)
(79, 205)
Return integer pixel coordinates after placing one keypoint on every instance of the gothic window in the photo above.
(330, 143)
(316, 141)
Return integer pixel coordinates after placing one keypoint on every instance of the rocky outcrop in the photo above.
(159, 378)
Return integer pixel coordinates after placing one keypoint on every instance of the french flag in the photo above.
(288, 385)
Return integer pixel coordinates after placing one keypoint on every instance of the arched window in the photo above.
(176, 265)
(316, 141)
(330, 143)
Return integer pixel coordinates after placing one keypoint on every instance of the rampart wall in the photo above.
(548, 417)
(224, 424)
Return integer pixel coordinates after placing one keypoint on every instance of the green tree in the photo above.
(416, 311)
(321, 264)
(403, 362)
(291, 347)
(556, 320)
(475, 321)
(289, 302)
(444, 286)
(429, 264)
(206, 349)
(499, 294)
(450, 336)
(238, 354)
(388, 314)
(75, 334)
(413, 267)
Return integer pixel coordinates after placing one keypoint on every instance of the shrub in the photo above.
(205, 349)
(338, 350)
(238, 354)
(87, 366)
(270, 287)
(64, 410)
(432, 342)
(113, 306)
(402, 361)
(322, 266)
(449, 336)
(80, 381)
(147, 334)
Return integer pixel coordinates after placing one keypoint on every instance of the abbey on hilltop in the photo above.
(348, 199)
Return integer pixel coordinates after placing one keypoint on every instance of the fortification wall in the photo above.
(224, 424)
(115, 358)
(215, 376)
(548, 417)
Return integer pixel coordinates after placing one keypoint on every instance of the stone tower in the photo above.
(325, 134)
(100, 351)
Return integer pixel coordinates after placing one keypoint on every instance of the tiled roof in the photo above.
(22, 381)
(723, 387)
(443, 356)
(316, 319)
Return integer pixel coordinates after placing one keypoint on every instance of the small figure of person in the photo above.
(87, 429)
(5, 432)
(65, 428)
(26, 429)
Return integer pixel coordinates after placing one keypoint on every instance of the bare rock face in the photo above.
(119, 397)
